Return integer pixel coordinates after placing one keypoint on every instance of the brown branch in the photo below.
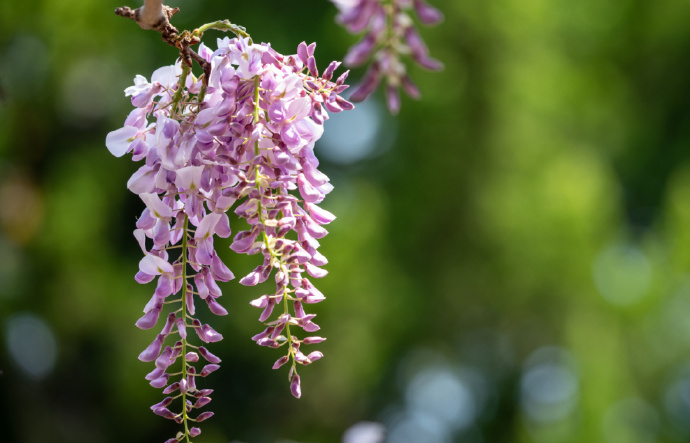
(162, 24)
(153, 15)
(157, 17)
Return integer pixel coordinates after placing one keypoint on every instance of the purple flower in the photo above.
(150, 319)
(206, 333)
(208, 369)
(160, 381)
(208, 356)
(295, 386)
(426, 13)
(360, 52)
(200, 161)
(165, 413)
(151, 352)
(119, 141)
(204, 416)
(390, 34)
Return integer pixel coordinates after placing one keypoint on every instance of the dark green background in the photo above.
(535, 202)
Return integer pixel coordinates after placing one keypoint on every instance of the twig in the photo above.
(155, 15)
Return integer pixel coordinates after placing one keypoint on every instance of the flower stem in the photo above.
(256, 104)
(287, 325)
(223, 25)
(184, 316)
(273, 253)
(180, 87)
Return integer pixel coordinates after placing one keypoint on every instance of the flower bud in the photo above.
(204, 416)
(295, 386)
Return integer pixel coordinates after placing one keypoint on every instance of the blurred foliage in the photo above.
(527, 232)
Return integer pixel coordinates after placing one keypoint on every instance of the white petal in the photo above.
(142, 181)
(320, 215)
(156, 206)
(141, 238)
(223, 203)
(154, 265)
(119, 140)
(166, 76)
(189, 178)
(207, 226)
(309, 130)
(299, 108)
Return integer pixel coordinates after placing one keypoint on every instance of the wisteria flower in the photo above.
(389, 34)
(242, 138)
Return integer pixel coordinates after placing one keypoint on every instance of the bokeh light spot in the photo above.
(416, 428)
(355, 135)
(622, 274)
(677, 402)
(31, 344)
(364, 432)
(549, 386)
(444, 395)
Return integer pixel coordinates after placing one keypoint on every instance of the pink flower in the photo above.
(389, 34)
(250, 142)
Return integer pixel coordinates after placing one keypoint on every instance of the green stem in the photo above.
(391, 40)
(261, 218)
(202, 93)
(180, 87)
(287, 325)
(256, 105)
(223, 25)
(184, 316)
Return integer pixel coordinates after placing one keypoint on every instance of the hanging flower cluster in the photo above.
(389, 34)
(244, 134)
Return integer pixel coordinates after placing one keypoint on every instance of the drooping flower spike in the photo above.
(244, 138)
(389, 34)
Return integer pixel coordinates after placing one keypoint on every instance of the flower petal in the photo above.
(119, 140)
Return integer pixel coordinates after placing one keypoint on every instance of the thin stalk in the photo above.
(180, 87)
(223, 25)
(273, 253)
(184, 316)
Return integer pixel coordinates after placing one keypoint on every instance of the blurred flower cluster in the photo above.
(389, 34)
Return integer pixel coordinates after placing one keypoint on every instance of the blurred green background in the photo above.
(510, 262)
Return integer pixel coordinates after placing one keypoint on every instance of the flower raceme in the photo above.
(389, 33)
(242, 138)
